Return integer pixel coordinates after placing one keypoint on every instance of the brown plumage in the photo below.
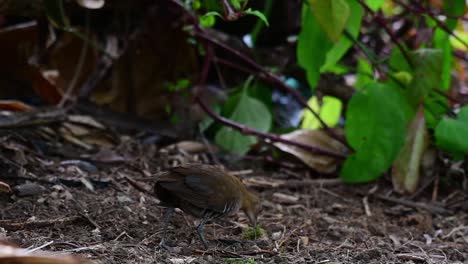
(206, 192)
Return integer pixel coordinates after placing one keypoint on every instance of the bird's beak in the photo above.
(252, 218)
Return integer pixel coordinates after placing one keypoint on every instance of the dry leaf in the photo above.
(4, 187)
(318, 138)
(14, 105)
(285, 198)
(10, 253)
(188, 146)
(406, 168)
(85, 120)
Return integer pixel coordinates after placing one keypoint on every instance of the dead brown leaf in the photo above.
(318, 138)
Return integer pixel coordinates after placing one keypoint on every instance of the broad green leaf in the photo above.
(405, 170)
(329, 111)
(208, 121)
(332, 15)
(427, 74)
(451, 134)
(364, 75)
(398, 62)
(374, 4)
(353, 27)
(436, 106)
(250, 112)
(312, 46)
(457, 44)
(260, 91)
(375, 129)
(454, 8)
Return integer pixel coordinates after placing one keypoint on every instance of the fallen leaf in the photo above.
(10, 253)
(188, 146)
(285, 198)
(85, 120)
(406, 168)
(318, 138)
(14, 105)
(4, 187)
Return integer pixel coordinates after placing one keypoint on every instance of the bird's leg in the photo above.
(167, 217)
(201, 231)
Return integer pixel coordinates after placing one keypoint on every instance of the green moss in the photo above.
(239, 261)
(253, 233)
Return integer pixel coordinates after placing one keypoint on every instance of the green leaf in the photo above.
(454, 8)
(436, 106)
(312, 46)
(451, 134)
(353, 27)
(329, 111)
(208, 121)
(332, 15)
(441, 41)
(374, 4)
(208, 20)
(237, 4)
(456, 43)
(364, 75)
(427, 74)
(257, 14)
(250, 112)
(375, 128)
(398, 62)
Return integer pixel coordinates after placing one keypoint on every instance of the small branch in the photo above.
(78, 69)
(382, 22)
(272, 137)
(13, 225)
(424, 206)
(420, 10)
(269, 77)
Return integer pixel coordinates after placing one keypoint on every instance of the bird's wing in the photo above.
(195, 185)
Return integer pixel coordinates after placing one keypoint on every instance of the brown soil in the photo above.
(89, 208)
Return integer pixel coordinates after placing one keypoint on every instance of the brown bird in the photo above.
(206, 192)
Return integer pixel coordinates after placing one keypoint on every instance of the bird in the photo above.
(206, 192)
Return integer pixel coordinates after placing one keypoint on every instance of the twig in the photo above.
(13, 225)
(430, 208)
(40, 247)
(293, 184)
(271, 78)
(270, 136)
(365, 202)
(439, 23)
(28, 119)
(79, 67)
(435, 191)
(383, 23)
(138, 186)
(456, 229)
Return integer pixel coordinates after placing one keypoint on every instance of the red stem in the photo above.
(382, 22)
(270, 136)
(269, 77)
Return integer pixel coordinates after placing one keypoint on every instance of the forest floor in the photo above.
(68, 198)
